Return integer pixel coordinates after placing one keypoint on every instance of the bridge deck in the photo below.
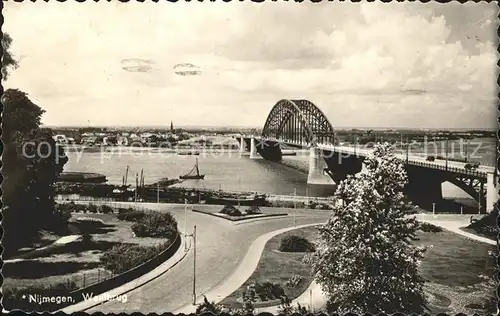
(448, 166)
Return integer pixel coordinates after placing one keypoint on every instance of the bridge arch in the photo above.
(298, 121)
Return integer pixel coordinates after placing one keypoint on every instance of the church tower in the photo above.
(171, 127)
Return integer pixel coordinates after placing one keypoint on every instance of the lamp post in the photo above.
(136, 185)
(479, 202)
(311, 300)
(158, 194)
(407, 149)
(185, 217)
(446, 154)
(307, 198)
(194, 263)
(467, 150)
(294, 206)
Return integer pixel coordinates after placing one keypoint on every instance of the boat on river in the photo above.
(193, 174)
(189, 153)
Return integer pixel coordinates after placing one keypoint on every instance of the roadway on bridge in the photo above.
(362, 152)
(413, 158)
(221, 246)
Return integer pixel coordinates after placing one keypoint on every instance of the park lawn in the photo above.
(76, 262)
(278, 267)
(457, 270)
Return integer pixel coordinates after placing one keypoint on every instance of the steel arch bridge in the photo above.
(300, 122)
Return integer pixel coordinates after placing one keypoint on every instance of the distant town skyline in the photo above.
(415, 65)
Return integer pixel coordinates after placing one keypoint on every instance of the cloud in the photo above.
(369, 63)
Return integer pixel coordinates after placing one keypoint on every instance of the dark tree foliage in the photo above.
(31, 163)
(7, 58)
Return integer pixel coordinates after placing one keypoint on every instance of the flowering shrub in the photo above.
(155, 224)
(294, 281)
(124, 257)
(365, 262)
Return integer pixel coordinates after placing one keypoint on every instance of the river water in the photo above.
(227, 170)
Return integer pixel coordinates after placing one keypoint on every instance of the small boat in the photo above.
(191, 174)
(189, 153)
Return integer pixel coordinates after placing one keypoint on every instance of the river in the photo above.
(226, 170)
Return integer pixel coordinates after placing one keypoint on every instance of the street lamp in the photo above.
(294, 206)
(446, 154)
(479, 202)
(467, 150)
(194, 263)
(158, 194)
(407, 149)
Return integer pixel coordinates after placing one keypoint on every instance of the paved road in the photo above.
(415, 158)
(221, 246)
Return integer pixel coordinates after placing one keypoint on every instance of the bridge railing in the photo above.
(474, 173)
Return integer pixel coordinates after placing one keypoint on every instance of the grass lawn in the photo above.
(76, 262)
(458, 271)
(278, 267)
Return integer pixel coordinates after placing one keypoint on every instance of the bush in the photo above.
(268, 290)
(124, 257)
(139, 230)
(430, 228)
(92, 208)
(105, 209)
(131, 216)
(155, 224)
(294, 281)
(487, 226)
(230, 210)
(295, 243)
(122, 210)
(254, 209)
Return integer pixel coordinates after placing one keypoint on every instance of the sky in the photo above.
(227, 64)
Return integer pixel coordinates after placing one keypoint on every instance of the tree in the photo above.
(365, 261)
(31, 163)
(7, 58)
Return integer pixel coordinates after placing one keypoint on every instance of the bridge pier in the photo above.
(316, 175)
(253, 149)
(491, 192)
(242, 145)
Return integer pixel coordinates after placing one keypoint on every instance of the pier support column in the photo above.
(491, 192)
(316, 175)
(242, 145)
(253, 149)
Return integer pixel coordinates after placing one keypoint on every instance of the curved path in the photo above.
(243, 272)
(221, 249)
